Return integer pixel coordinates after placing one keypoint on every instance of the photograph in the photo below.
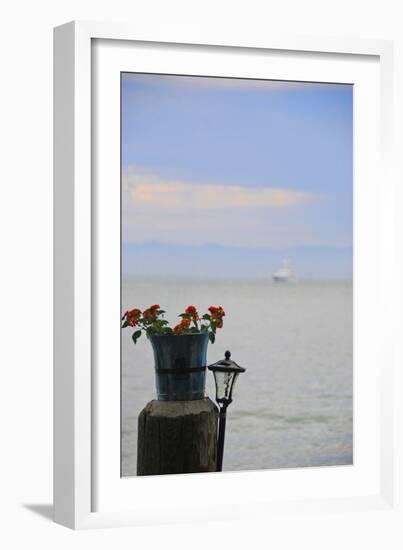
(236, 274)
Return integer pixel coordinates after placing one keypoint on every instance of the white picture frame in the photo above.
(88, 492)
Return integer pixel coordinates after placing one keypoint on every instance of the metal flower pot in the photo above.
(180, 365)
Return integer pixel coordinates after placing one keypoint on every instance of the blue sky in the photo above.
(239, 165)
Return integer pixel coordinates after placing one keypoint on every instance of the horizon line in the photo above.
(232, 247)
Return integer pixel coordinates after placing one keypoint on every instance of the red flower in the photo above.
(132, 317)
(151, 320)
(150, 314)
(192, 311)
(217, 312)
(185, 323)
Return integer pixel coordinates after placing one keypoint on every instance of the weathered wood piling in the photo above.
(177, 437)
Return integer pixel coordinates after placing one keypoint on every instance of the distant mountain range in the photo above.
(215, 261)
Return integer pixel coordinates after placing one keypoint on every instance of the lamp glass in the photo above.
(224, 381)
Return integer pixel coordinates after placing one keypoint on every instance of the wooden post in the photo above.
(177, 437)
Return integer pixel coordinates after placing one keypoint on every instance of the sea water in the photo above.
(293, 406)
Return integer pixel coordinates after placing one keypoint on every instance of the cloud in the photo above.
(150, 190)
(187, 213)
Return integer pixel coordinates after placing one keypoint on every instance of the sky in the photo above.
(246, 171)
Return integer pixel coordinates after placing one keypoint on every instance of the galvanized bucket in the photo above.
(180, 366)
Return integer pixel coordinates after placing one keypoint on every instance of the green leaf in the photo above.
(125, 324)
(136, 335)
(206, 316)
(211, 337)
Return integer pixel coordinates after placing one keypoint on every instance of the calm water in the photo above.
(293, 406)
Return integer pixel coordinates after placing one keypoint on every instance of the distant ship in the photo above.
(284, 274)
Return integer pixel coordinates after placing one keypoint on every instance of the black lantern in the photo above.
(225, 375)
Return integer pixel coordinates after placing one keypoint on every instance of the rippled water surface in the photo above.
(293, 406)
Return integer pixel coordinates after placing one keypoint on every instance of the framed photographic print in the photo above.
(221, 253)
